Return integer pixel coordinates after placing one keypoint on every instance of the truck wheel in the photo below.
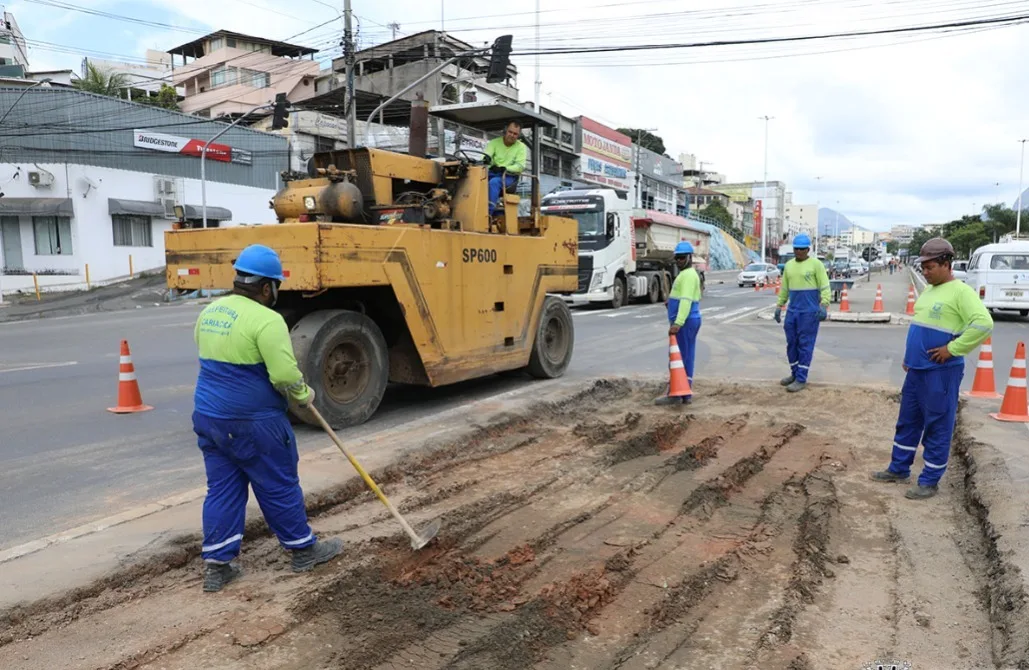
(619, 291)
(665, 287)
(653, 289)
(555, 339)
(1023, 312)
(344, 358)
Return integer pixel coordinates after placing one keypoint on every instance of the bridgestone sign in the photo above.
(143, 139)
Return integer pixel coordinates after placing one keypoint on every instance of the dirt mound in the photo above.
(599, 532)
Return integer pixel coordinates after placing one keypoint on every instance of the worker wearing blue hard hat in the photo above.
(805, 286)
(248, 379)
(684, 314)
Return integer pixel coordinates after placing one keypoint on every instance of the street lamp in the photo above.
(41, 82)
(1018, 215)
(764, 192)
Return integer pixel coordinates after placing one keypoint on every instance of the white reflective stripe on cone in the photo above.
(673, 350)
(675, 365)
(987, 348)
(985, 364)
(1017, 382)
(1018, 363)
(125, 359)
(126, 376)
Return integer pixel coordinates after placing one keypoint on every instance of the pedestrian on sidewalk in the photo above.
(248, 379)
(893, 266)
(805, 285)
(684, 315)
(950, 321)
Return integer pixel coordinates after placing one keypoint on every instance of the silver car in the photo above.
(758, 273)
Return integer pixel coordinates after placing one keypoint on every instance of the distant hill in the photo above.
(827, 221)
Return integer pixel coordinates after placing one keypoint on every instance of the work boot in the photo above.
(217, 575)
(889, 477)
(919, 492)
(786, 381)
(671, 400)
(320, 552)
(796, 386)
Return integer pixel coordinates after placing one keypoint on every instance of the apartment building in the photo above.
(142, 79)
(228, 74)
(14, 55)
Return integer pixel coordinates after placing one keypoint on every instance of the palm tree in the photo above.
(102, 82)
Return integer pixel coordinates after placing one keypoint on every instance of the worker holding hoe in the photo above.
(950, 321)
(507, 155)
(805, 284)
(684, 315)
(248, 378)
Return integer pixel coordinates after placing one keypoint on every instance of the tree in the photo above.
(166, 98)
(102, 82)
(892, 247)
(717, 211)
(645, 139)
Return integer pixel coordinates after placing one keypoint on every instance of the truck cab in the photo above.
(606, 243)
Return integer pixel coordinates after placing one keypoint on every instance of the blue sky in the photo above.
(919, 130)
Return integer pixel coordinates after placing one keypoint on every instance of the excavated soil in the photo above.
(599, 533)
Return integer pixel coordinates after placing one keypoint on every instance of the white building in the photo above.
(105, 195)
(14, 56)
(143, 79)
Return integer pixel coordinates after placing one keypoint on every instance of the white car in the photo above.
(960, 270)
(758, 273)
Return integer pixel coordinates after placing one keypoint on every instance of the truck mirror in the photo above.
(610, 225)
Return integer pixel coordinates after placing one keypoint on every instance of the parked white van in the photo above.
(1000, 274)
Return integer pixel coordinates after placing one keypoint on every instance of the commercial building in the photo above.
(801, 219)
(658, 183)
(694, 174)
(772, 207)
(903, 234)
(228, 74)
(860, 237)
(103, 189)
(605, 157)
(560, 153)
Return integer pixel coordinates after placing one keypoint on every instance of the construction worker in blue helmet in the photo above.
(248, 380)
(950, 322)
(805, 286)
(684, 315)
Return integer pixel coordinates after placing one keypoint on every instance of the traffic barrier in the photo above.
(129, 398)
(984, 385)
(877, 307)
(678, 383)
(844, 301)
(910, 311)
(1015, 407)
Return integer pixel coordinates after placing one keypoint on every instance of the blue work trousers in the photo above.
(801, 333)
(262, 454)
(928, 409)
(498, 183)
(686, 338)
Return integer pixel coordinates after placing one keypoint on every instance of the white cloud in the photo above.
(902, 134)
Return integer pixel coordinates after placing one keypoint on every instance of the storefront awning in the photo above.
(117, 206)
(213, 213)
(37, 206)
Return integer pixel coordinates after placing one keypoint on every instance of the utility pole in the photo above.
(348, 53)
(1018, 216)
(818, 223)
(764, 194)
(395, 27)
(539, 82)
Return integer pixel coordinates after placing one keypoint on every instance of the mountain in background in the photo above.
(827, 221)
(1025, 201)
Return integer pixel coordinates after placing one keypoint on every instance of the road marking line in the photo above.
(40, 366)
(708, 310)
(729, 315)
(747, 312)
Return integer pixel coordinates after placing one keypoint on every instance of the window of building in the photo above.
(132, 231)
(566, 169)
(52, 235)
(217, 43)
(324, 144)
(224, 76)
(566, 137)
(551, 165)
(230, 42)
(254, 78)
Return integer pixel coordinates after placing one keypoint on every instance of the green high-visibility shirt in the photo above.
(684, 299)
(950, 315)
(511, 158)
(805, 284)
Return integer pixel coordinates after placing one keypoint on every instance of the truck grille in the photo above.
(585, 273)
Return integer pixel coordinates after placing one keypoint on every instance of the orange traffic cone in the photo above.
(129, 398)
(778, 285)
(984, 385)
(878, 306)
(1015, 407)
(910, 311)
(844, 301)
(757, 285)
(678, 383)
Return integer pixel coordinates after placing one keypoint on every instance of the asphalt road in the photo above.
(64, 460)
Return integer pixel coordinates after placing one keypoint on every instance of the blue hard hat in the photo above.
(683, 248)
(260, 261)
(802, 241)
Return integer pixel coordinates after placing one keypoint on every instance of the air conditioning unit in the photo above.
(41, 179)
(169, 208)
(164, 187)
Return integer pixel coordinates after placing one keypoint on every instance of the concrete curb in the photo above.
(861, 317)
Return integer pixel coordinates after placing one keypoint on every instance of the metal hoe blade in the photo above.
(427, 535)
